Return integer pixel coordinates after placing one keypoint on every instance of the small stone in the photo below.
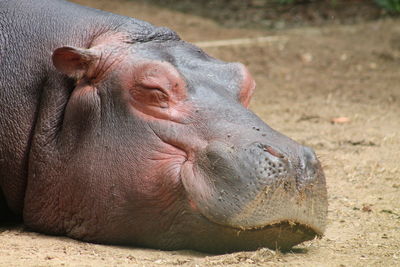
(340, 120)
(373, 65)
(306, 57)
(367, 208)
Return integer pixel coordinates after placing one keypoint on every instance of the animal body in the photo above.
(115, 131)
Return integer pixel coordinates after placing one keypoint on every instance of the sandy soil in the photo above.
(306, 81)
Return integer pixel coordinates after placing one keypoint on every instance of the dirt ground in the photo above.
(335, 88)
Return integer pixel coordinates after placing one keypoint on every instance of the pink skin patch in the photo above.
(247, 87)
(273, 152)
(156, 90)
(191, 182)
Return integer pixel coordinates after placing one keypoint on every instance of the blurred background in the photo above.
(278, 14)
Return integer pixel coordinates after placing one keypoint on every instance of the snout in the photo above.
(289, 185)
(259, 185)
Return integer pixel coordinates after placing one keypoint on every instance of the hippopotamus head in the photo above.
(157, 147)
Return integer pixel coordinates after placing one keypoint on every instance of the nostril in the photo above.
(272, 151)
(309, 155)
(310, 164)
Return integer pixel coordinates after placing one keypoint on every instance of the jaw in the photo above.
(283, 236)
(198, 233)
(213, 237)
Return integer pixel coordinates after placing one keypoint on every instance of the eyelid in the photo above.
(155, 83)
(156, 88)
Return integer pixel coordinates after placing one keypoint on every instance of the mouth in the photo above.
(294, 224)
(286, 234)
(292, 211)
(281, 236)
(281, 231)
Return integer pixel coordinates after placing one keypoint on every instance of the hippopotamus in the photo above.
(115, 131)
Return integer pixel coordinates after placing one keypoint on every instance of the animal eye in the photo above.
(157, 97)
(150, 95)
(156, 89)
(156, 83)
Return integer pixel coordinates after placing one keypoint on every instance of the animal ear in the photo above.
(73, 61)
(247, 87)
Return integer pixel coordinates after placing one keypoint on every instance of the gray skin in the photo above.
(115, 131)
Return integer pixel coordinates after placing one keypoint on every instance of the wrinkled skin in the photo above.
(116, 131)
